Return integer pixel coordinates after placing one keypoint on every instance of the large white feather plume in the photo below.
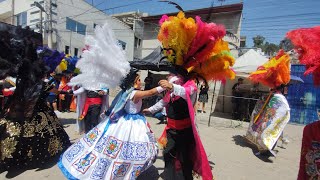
(104, 64)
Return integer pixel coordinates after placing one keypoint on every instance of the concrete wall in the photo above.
(6, 11)
(70, 8)
(8, 15)
(150, 40)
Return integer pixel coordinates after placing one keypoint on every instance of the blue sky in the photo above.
(269, 18)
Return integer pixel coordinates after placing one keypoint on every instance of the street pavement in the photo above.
(230, 156)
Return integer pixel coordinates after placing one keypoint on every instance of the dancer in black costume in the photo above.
(30, 133)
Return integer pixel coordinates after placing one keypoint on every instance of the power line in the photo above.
(16, 14)
(79, 14)
(287, 15)
(104, 9)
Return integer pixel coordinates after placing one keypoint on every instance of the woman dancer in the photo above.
(30, 132)
(122, 145)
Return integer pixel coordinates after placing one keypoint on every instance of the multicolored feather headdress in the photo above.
(307, 45)
(275, 72)
(196, 46)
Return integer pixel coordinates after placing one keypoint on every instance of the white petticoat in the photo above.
(120, 150)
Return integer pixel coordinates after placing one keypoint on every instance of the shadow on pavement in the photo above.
(65, 121)
(212, 164)
(12, 173)
(241, 141)
(150, 174)
(221, 115)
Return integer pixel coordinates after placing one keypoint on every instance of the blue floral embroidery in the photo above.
(100, 169)
(136, 171)
(113, 147)
(120, 169)
(91, 136)
(74, 151)
(84, 163)
(134, 151)
(101, 144)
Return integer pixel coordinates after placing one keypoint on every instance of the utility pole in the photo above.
(70, 43)
(41, 21)
(38, 5)
(50, 45)
(12, 9)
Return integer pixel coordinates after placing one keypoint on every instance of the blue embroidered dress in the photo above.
(114, 149)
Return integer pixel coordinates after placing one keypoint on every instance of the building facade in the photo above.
(71, 21)
(133, 19)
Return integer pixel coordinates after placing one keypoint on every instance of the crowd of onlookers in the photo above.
(60, 96)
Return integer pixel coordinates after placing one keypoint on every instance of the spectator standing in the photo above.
(203, 96)
(237, 98)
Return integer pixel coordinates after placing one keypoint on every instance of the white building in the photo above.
(133, 19)
(71, 21)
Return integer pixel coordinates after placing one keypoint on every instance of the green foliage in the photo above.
(269, 48)
(258, 41)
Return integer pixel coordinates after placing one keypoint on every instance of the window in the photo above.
(66, 51)
(137, 42)
(242, 43)
(35, 12)
(81, 28)
(22, 19)
(122, 44)
(75, 26)
(76, 52)
(71, 25)
(34, 20)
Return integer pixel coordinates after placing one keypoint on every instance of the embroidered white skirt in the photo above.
(120, 150)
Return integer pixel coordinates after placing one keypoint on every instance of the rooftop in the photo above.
(198, 12)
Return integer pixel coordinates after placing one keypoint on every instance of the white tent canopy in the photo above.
(249, 62)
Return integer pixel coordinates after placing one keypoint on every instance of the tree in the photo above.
(286, 44)
(258, 41)
(270, 48)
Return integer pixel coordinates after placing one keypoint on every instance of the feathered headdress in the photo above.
(196, 46)
(18, 55)
(52, 58)
(275, 72)
(72, 61)
(307, 45)
(103, 62)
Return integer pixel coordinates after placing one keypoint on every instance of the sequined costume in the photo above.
(30, 133)
(32, 141)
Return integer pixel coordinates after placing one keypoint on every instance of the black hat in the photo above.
(179, 70)
(128, 81)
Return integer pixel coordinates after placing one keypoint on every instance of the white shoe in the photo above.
(57, 112)
(285, 141)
